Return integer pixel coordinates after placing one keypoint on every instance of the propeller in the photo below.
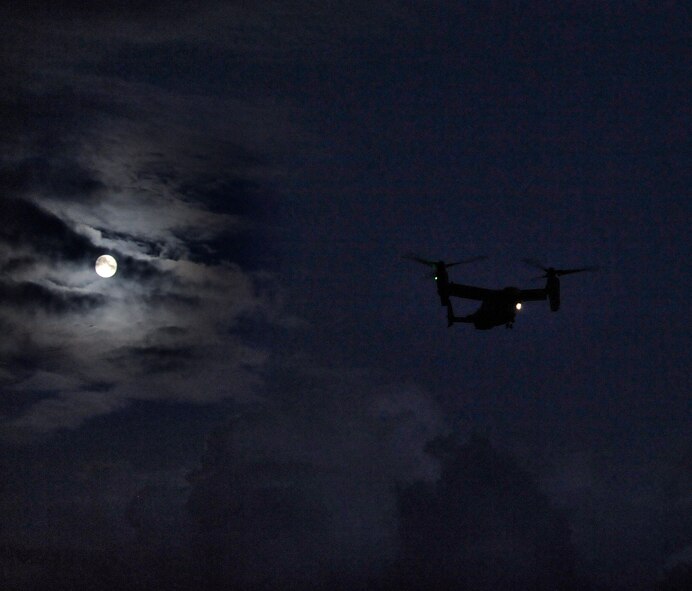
(466, 261)
(553, 272)
(422, 261)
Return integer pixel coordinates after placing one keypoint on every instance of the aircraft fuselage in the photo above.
(497, 311)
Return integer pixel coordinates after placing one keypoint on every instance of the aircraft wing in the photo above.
(532, 295)
(470, 292)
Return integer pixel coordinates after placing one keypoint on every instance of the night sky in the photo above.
(266, 394)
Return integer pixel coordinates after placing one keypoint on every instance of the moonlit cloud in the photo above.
(119, 182)
(111, 158)
(153, 331)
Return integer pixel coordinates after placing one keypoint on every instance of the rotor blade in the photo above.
(561, 272)
(465, 261)
(417, 259)
(535, 263)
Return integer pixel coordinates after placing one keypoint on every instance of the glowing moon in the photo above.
(106, 265)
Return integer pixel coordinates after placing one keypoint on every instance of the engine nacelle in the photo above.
(442, 281)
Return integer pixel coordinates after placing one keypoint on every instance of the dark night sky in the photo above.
(266, 395)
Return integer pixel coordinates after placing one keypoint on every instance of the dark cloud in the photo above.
(156, 359)
(172, 331)
(483, 525)
(26, 353)
(144, 246)
(58, 568)
(677, 578)
(51, 178)
(29, 226)
(139, 270)
(298, 489)
(628, 521)
(253, 522)
(30, 296)
(235, 195)
(273, 522)
(47, 122)
(259, 523)
(169, 65)
(160, 297)
(16, 264)
(89, 521)
(129, 8)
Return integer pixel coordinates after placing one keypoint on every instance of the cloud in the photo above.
(30, 228)
(30, 296)
(683, 556)
(266, 30)
(629, 521)
(162, 182)
(300, 481)
(332, 484)
(166, 334)
(484, 524)
(57, 178)
(66, 411)
(81, 521)
(300, 489)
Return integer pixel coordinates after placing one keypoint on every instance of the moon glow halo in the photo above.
(106, 266)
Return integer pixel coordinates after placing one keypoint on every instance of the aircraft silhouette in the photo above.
(498, 306)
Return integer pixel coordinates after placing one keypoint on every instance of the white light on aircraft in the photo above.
(518, 306)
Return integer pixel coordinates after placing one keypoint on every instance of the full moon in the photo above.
(106, 265)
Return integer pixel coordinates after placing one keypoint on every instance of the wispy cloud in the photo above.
(102, 164)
